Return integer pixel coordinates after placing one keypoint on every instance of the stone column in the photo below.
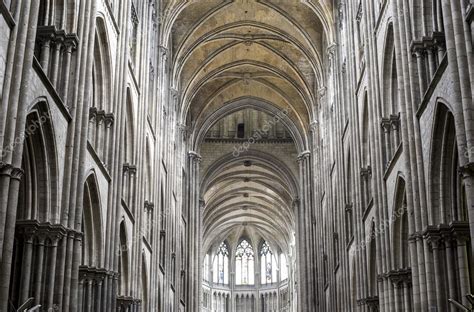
(55, 64)
(439, 277)
(305, 302)
(80, 294)
(131, 188)
(99, 137)
(388, 144)
(98, 294)
(125, 186)
(407, 298)
(462, 264)
(451, 282)
(194, 237)
(26, 266)
(88, 306)
(14, 122)
(39, 268)
(109, 121)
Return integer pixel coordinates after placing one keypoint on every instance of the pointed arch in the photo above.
(244, 263)
(221, 264)
(400, 233)
(372, 263)
(39, 189)
(129, 130)
(145, 282)
(93, 243)
(124, 261)
(447, 192)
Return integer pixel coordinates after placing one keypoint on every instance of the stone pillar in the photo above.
(407, 298)
(109, 121)
(388, 144)
(451, 282)
(39, 268)
(304, 229)
(194, 235)
(461, 234)
(98, 294)
(12, 125)
(26, 266)
(439, 276)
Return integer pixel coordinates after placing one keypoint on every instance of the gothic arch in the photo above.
(372, 261)
(400, 232)
(389, 74)
(129, 130)
(124, 261)
(447, 196)
(295, 127)
(37, 205)
(39, 188)
(102, 69)
(93, 241)
(60, 13)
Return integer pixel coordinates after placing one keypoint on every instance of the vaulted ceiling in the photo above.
(249, 196)
(268, 55)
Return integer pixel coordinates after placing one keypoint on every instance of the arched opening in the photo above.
(124, 267)
(220, 266)
(35, 242)
(244, 264)
(91, 272)
(390, 110)
(448, 210)
(144, 285)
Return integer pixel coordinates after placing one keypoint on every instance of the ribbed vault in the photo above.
(227, 56)
(249, 196)
(225, 50)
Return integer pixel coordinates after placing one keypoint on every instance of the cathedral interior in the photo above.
(236, 155)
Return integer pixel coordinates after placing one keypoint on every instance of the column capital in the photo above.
(92, 112)
(313, 126)
(109, 119)
(304, 155)
(71, 41)
(460, 231)
(132, 169)
(149, 205)
(395, 121)
(331, 49)
(366, 172)
(11, 171)
(194, 156)
(322, 92)
(163, 50)
(386, 124)
(183, 129)
(467, 171)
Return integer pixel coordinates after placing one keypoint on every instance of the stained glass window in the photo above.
(244, 264)
(221, 265)
(269, 265)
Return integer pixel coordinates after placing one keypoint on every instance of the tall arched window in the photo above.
(205, 271)
(268, 265)
(221, 265)
(244, 264)
(283, 267)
